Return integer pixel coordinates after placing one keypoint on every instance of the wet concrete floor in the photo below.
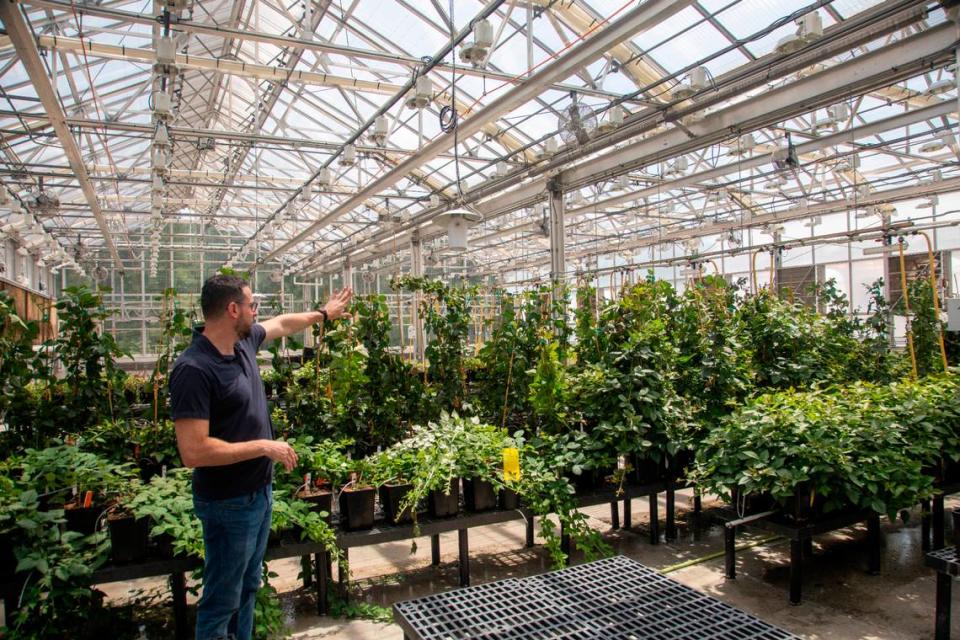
(840, 599)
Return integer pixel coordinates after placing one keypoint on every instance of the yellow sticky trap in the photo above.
(511, 464)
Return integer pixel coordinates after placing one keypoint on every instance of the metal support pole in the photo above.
(730, 552)
(671, 533)
(615, 514)
(530, 540)
(628, 514)
(416, 270)
(347, 275)
(654, 518)
(320, 567)
(464, 545)
(938, 522)
(435, 549)
(796, 571)
(558, 266)
(925, 525)
(873, 542)
(178, 587)
(944, 587)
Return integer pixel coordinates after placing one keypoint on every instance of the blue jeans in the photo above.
(235, 534)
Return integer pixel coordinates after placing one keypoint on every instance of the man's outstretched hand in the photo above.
(336, 306)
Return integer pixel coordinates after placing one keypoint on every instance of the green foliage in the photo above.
(713, 363)
(784, 341)
(545, 491)
(925, 326)
(268, 620)
(393, 393)
(61, 468)
(58, 565)
(436, 453)
(876, 356)
(858, 445)
(88, 356)
(175, 331)
(168, 502)
(446, 313)
(527, 321)
(18, 368)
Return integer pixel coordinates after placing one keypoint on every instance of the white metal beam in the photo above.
(643, 17)
(26, 48)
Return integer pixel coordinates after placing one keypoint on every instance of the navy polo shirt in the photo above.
(227, 391)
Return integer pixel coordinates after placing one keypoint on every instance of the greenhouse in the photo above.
(496, 319)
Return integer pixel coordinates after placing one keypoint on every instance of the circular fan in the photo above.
(576, 122)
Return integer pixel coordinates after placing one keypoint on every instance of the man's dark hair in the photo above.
(219, 291)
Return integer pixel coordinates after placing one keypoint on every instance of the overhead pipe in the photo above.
(643, 17)
(850, 33)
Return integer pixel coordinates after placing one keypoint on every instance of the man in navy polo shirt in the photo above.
(224, 433)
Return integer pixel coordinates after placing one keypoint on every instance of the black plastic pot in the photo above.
(319, 499)
(8, 561)
(441, 505)
(128, 538)
(956, 530)
(509, 500)
(391, 495)
(801, 507)
(678, 463)
(646, 471)
(478, 495)
(82, 519)
(356, 508)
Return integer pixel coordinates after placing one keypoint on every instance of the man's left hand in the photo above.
(336, 306)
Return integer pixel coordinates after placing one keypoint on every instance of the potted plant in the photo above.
(393, 470)
(85, 481)
(357, 499)
(168, 503)
(129, 535)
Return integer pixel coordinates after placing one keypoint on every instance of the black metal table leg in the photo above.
(944, 586)
(873, 542)
(796, 571)
(435, 549)
(697, 504)
(564, 540)
(925, 525)
(615, 514)
(306, 570)
(938, 522)
(464, 545)
(654, 518)
(628, 514)
(730, 552)
(671, 532)
(178, 587)
(320, 563)
(530, 525)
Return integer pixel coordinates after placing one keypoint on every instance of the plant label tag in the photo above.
(511, 464)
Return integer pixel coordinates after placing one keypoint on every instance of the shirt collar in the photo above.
(203, 343)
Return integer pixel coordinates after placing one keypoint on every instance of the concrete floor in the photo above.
(840, 600)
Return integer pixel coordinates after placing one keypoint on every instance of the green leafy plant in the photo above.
(88, 356)
(168, 502)
(846, 445)
(268, 619)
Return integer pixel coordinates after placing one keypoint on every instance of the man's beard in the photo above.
(243, 332)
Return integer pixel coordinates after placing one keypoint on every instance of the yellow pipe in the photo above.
(936, 299)
(715, 267)
(906, 307)
(753, 270)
